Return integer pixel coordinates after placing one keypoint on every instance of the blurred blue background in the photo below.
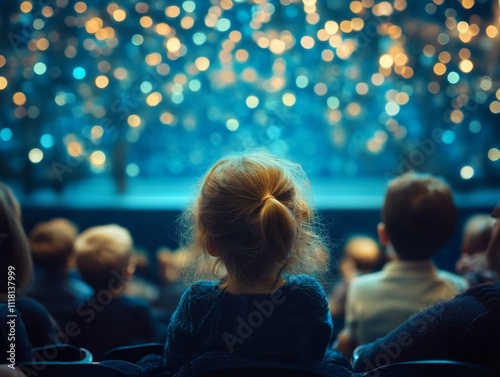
(121, 106)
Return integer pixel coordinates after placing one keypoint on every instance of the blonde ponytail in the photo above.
(278, 228)
(252, 218)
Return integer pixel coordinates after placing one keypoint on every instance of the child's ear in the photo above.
(383, 236)
(129, 272)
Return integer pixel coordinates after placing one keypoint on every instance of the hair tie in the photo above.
(265, 197)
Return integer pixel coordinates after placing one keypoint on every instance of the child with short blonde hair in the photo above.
(252, 227)
(102, 252)
(58, 285)
(110, 319)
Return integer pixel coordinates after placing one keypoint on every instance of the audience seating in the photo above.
(223, 364)
(61, 353)
(431, 368)
(357, 352)
(254, 371)
(134, 353)
(60, 369)
(67, 360)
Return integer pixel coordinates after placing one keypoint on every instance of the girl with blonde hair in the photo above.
(251, 227)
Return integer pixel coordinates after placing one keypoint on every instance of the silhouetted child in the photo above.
(418, 219)
(110, 318)
(252, 227)
(473, 264)
(493, 249)
(361, 256)
(172, 287)
(16, 270)
(58, 284)
(462, 329)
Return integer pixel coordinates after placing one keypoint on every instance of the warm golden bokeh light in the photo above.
(134, 120)
(26, 6)
(3, 83)
(439, 69)
(101, 81)
(202, 63)
(97, 158)
(19, 98)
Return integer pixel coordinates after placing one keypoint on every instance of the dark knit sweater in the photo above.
(465, 328)
(292, 324)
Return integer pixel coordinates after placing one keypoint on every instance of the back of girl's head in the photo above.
(14, 247)
(252, 215)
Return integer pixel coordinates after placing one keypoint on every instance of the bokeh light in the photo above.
(467, 172)
(494, 154)
(345, 89)
(6, 134)
(97, 158)
(35, 155)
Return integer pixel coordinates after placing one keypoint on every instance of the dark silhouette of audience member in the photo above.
(463, 329)
(172, 287)
(109, 318)
(472, 263)
(41, 328)
(140, 285)
(493, 249)
(249, 226)
(361, 256)
(419, 217)
(58, 284)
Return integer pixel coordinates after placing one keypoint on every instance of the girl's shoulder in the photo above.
(304, 285)
(202, 290)
(302, 281)
(301, 286)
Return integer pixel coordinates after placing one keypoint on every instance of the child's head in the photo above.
(52, 244)
(477, 233)
(102, 253)
(493, 249)
(418, 216)
(252, 216)
(362, 253)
